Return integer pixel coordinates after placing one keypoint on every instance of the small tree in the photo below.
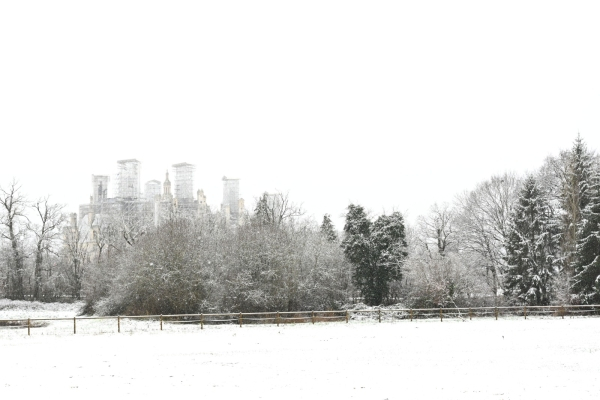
(275, 209)
(376, 250)
(436, 230)
(328, 230)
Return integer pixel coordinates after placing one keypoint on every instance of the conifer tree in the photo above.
(262, 216)
(328, 230)
(532, 247)
(575, 197)
(376, 250)
(586, 279)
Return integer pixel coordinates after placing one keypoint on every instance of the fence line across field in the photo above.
(279, 317)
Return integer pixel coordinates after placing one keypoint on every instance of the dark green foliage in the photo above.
(586, 281)
(328, 230)
(376, 250)
(532, 247)
(575, 197)
(262, 214)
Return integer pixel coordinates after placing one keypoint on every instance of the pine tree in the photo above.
(328, 230)
(586, 279)
(376, 251)
(532, 247)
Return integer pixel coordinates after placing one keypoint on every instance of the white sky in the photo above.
(388, 104)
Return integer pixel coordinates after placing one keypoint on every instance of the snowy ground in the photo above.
(511, 358)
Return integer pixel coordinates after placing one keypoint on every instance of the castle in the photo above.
(158, 202)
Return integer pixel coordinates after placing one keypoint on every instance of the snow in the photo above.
(510, 358)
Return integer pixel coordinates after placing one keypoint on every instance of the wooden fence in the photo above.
(375, 314)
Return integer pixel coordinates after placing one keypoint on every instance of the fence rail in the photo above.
(288, 317)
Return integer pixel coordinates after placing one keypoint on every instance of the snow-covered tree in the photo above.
(275, 209)
(575, 196)
(482, 221)
(449, 280)
(586, 279)
(532, 247)
(12, 229)
(328, 230)
(436, 232)
(46, 229)
(376, 250)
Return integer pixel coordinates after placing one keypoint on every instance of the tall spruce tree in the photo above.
(376, 250)
(575, 197)
(586, 279)
(531, 248)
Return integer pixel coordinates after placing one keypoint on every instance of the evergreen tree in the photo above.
(262, 216)
(586, 279)
(575, 198)
(328, 230)
(531, 247)
(376, 250)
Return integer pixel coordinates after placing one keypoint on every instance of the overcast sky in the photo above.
(393, 105)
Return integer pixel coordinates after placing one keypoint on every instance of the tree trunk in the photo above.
(37, 283)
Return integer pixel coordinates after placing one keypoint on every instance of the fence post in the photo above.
(380, 315)
(240, 319)
(277, 318)
(201, 321)
(411, 314)
(74, 326)
(525, 311)
(312, 317)
(563, 312)
(441, 316)
(119, 323)
(496, 312)
(346, 316)
(470, 314)
(161, 322)
(28, 327)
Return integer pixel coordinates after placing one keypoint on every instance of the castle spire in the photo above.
(167, 186)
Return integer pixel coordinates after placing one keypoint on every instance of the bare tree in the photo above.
(76, 252)
(130, 218)
(47, 229)
(275, 209)
(13, 205)
(443, 281)
(483, 221)
(437, 229)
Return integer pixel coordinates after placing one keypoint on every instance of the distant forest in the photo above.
(513, 240)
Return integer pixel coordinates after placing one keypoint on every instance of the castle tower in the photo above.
(151, 190)
(202, 206)
(231, 199)
(99, 188)
(128, 179)
(184, 181)
(167, 188)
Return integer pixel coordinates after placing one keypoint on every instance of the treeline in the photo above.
(122, 264)
(531, 240)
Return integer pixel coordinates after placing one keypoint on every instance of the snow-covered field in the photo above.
(510, 358)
